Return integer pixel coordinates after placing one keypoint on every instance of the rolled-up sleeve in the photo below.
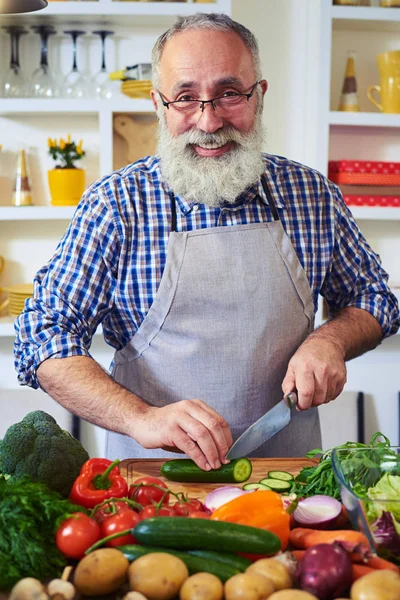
(356, 277)
(73, 292)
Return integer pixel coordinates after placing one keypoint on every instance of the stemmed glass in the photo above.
(102, 85)
(75, 84)
(14, 84)
(43, 84)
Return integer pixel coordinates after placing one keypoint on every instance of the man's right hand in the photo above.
(190, 426)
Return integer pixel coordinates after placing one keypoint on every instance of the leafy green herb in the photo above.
(321, 479)
(29, 512)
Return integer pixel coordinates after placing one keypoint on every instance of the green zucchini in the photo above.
(228, 558)
(204, 534)
(276, 484)
(195, 564)
(283, 475)
(185, 469)
(255, 486)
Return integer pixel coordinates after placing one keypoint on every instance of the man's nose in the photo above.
(209, 120)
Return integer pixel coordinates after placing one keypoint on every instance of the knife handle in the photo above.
(291, 399)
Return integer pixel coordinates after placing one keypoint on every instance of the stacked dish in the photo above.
(17, 294)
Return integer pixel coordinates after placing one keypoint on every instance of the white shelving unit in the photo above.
(145, 20)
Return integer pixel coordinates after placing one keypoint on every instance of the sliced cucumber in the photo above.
(276, 484)
(184, 469)
(255, 486)
(282, 475)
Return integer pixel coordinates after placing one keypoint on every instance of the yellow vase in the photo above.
(66, 186)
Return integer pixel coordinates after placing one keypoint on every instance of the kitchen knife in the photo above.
(262, 430)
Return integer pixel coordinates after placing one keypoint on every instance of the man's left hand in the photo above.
(318, 371)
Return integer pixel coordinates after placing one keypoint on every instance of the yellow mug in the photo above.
(389, 88)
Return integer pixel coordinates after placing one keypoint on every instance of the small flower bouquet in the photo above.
(65, 151)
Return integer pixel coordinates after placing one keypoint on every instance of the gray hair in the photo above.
(214, 21)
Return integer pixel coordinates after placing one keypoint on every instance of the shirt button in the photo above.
(196, 207)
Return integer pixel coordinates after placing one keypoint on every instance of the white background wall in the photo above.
(288, 34)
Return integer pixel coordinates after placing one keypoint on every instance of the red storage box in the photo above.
(354, 200)
(363, 172)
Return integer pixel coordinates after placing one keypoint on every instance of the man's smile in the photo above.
(212, 148)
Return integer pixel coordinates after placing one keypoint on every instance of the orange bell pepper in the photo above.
(263, 509)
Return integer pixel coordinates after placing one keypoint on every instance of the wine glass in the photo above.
(101, 83)
(75, 84)
(43, 84)
(14, 84)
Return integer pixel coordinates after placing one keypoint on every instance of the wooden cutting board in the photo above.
(132, 468)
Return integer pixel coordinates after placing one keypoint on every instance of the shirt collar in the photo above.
(272, 175)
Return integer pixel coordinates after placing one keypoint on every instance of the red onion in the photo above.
(222, 495)
(317, 512)
(325, 571)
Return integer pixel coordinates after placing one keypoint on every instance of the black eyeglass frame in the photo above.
(202, 103)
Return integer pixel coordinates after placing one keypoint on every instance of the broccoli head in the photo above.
(37, 447)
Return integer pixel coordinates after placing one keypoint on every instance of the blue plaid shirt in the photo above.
(108, 266)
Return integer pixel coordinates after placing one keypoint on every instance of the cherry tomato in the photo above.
(151, 511)
(148, 494)
(76, 534)
(185, 508)
(198, 514)
(126, 519)
(107, 510)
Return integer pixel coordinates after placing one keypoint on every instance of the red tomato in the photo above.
(185, 508)
(76, 534)
(151, 511)
(107, 510)
(148, 494)
(126, 519)
(198, 514)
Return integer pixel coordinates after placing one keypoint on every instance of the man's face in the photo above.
(200, 150)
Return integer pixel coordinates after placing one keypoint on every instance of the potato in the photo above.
(381, 585)
(158, 575)
(101, 572)
(202, 586)
(274, 570)
(292, 595)
(248, 586)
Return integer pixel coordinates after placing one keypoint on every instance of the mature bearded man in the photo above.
(204, 265)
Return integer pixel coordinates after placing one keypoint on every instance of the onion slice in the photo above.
(222, 495)
(317, 511)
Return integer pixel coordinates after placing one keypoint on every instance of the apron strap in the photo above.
(173, 213)
(270, 198)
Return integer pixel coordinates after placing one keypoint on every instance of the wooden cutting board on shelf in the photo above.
(132, 468)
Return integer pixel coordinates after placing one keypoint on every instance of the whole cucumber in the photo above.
(203, 534)
(195, 564)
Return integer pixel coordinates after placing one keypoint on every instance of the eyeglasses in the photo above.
(228, 101)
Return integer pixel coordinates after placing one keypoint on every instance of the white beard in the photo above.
(210, 180)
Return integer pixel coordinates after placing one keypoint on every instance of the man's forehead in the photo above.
(191, 53)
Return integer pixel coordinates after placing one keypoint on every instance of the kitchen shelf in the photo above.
(376, 213)
(363, 119)
(36, 213)
(365, 18)
(127, 14)
(33, 106)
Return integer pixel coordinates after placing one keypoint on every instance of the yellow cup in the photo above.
(389, 88)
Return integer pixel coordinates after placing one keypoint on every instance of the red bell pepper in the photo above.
(98, 480)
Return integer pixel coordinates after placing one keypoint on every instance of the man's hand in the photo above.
(318, 371)
(190, 426)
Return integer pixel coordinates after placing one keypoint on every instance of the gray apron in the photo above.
(233, 306)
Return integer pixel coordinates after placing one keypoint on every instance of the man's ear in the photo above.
(264, 86)
(154, 98)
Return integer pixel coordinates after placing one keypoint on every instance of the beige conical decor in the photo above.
(349, 101)
(22, 191)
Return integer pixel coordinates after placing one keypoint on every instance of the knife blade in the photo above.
(265, 428)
